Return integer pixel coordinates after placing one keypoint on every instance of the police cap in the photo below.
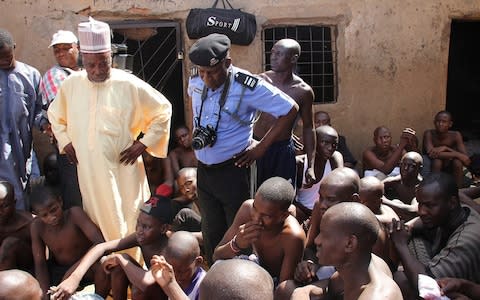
(208, 51)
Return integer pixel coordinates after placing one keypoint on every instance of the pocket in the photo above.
(109, 123)
(109, 120)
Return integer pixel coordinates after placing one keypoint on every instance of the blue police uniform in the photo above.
(230, 109)
(234, 131)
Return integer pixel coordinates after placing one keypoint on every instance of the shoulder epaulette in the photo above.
(246, 80)
(193, 72)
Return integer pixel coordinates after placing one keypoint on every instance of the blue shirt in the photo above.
(235, 128)
(20, 109)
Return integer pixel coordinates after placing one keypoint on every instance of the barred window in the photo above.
(317, 62)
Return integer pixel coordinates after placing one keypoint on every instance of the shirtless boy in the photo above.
(264, 226)
(327, 158)
(445, 147)
(179, 272)
(152, 224)
(400, 189)
(381, 160)
(185, 205)
(68, 235)
(340, 185)
(182, 155)
(371, 194)
(279, 160)
(15, 242)
(323, 118)
(349, 231)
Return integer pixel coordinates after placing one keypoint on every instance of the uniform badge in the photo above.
(193, 72)
(246, 80)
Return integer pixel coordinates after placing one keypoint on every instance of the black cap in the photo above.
(208, 51)
(160, 208)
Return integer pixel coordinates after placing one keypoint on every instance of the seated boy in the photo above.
(349, 231)
(400, 189)
(185, 205)
(179, 272)
(67, 234)
(323, 118)
(19, 285)
(15, 242)
(152, 224)
(182, 155)
(445, 147)
(371, 194)
(265, 227)
(381, 160)
(326, 159)
(443, 241)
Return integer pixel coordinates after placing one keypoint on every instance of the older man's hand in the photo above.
(130, 155)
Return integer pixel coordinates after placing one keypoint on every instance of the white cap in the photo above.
(63, 37)
(94, 36)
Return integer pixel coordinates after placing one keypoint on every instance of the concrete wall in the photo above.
(392, 55)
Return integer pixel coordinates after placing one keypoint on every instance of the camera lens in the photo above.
(197, 143)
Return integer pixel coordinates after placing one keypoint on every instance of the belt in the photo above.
(228, 162)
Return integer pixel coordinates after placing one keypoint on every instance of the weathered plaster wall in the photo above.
(392, 55)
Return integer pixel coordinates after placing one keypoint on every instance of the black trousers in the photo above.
(222, 188)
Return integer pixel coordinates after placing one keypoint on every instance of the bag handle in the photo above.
(223, 2)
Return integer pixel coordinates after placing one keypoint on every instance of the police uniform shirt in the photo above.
(235, 128)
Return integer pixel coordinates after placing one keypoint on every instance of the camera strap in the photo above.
(221, 101)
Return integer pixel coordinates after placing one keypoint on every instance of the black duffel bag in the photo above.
(239, 26)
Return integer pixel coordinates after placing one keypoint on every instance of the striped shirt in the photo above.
(459, 258)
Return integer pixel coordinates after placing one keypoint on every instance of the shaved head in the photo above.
(353, 218)
(345, 178)
(292, 45)
(371, 184)
(19, 285)
(371, 192)
(182, 245)
(326, 130)
(236, 279)
(414, 156)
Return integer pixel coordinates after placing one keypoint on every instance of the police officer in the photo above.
(224, 101)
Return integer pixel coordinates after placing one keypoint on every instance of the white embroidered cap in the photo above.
(94, 36)
(63, 37)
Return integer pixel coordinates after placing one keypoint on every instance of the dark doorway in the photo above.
(157, 52)
(463, 86)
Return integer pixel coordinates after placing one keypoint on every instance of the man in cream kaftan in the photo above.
(100, 120)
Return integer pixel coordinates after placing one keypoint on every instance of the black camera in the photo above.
(203, 137)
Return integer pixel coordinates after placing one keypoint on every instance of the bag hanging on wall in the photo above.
(239, 26)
